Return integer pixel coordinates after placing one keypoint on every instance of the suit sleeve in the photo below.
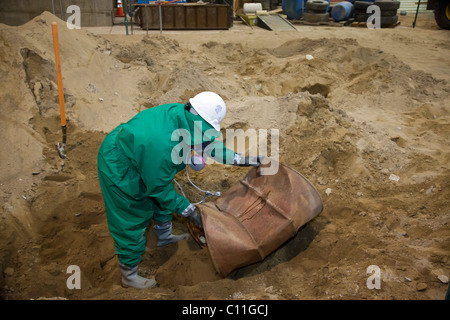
(217, 151)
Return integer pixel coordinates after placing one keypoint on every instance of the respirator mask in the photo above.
(198, 160)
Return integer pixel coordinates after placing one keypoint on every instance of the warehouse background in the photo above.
(102, 12)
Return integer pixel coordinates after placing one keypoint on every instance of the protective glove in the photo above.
(191, 213)
(249, 161)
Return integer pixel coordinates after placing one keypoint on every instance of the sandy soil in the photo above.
(371, 104)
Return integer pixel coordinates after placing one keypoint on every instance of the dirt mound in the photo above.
(370, 132)
(195, 264)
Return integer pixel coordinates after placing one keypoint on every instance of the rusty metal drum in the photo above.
(256, 216)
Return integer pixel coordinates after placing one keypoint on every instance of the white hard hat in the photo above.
(210, 106)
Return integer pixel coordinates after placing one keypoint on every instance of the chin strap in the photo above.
(188, 107)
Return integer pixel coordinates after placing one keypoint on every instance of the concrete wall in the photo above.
(93, 12)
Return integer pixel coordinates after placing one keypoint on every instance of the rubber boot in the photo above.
(130, 278)
(163, 231)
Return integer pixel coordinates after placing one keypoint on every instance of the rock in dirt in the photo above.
(443, 278)
(421, 286)
(9, 272)
(394, 177)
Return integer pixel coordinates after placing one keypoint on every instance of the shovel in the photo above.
(62, 146)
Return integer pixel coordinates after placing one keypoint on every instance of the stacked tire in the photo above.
(388, 11)
(316, 11)
(442, 13)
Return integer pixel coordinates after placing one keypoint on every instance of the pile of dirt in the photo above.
(369, 131)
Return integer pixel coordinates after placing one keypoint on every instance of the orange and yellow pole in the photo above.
(60, 89)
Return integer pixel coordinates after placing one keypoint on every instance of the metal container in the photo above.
(185, 16)
(342, 11)
(293, 8)
(256, 216)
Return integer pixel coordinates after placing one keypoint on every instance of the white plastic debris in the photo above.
(309, 57)
(393, 177)
(443, 278)
(328, 191)
(101, 99)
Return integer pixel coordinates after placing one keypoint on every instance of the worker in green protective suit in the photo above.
(137, 162)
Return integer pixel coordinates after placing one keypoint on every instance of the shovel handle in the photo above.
(58, 73)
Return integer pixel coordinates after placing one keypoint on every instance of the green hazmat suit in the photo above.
(137, 162)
